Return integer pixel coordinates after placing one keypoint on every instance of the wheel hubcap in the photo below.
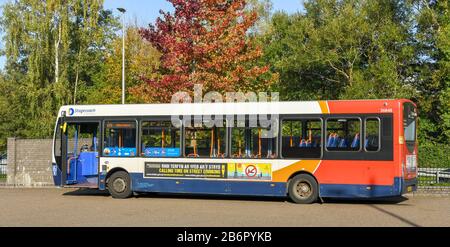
(119, 185)
(303, 189)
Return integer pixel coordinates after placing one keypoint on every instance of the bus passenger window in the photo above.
(160, 139)
(252, 142)
(302, 138)
(204, 142)
(120, 139)
(372, 140)
(343, 134)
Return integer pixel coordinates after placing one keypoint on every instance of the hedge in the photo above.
(434, 155)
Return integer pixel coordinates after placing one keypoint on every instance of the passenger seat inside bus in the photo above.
(333, 140)
(343, 143)
(356, 141)
(371, 143)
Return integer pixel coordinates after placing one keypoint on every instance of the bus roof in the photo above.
(249, 108)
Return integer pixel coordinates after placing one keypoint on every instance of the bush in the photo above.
(436, 155)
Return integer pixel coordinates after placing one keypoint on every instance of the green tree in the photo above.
(432, 68)
(53, 48)
(142, 61)
(342, 49)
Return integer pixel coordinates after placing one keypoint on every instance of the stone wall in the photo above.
(435, 190)
(29, 162)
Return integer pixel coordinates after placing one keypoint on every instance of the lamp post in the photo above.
(122, 10)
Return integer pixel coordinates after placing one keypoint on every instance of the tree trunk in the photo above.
(76, 77)
(57, 44)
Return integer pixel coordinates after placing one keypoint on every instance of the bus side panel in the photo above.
(205, 186)
(364, 178)
(358, 179)
(56, 174)
(360, 191)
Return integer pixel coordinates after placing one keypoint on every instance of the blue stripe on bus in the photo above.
(361, 191)
(202, 186)
(141, 184)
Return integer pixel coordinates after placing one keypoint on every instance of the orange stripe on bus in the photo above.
(324, 107)
(283, 174)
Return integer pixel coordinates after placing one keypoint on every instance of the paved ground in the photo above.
(68, 207)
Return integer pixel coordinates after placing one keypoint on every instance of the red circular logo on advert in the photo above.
(250, 171)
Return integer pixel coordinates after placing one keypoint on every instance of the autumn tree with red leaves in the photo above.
(204, 42)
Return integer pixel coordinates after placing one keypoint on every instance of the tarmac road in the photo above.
(69, 207)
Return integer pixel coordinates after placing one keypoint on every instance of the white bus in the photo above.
(175, 148)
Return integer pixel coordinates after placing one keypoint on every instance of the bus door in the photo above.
(80, 156)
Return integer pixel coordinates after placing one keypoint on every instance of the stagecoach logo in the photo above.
(72, 111)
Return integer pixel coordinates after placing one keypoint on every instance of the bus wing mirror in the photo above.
(64, 128)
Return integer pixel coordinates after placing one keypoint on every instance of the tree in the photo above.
(205, 42)
(4, 126)
(264, 9)
(341, 49)
(53, 48)
(432, 68)
(92, 35)
(142, 61)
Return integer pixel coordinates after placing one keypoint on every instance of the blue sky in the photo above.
(145, 11)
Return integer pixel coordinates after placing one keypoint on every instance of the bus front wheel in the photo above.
(119, 185)
(303, 189)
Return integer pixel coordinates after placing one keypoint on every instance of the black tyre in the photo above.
(303, 189)
(119, 185)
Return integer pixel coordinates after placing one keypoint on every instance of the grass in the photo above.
(2, 177)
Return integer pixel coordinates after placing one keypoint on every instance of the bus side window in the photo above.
(372, 138)
(343, 134)
(205, 142)
(120, 139)
(252, 142)
(160, 139)
(302, 138)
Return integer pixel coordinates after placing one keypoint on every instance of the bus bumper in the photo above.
(409, 186)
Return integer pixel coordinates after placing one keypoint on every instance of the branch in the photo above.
(338, 70)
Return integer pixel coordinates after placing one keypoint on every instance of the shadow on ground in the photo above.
(386, 200)
(94, 192)
(86, 192)
(377, 204)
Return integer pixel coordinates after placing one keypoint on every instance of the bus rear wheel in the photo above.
(119, 185)
(303, 189)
